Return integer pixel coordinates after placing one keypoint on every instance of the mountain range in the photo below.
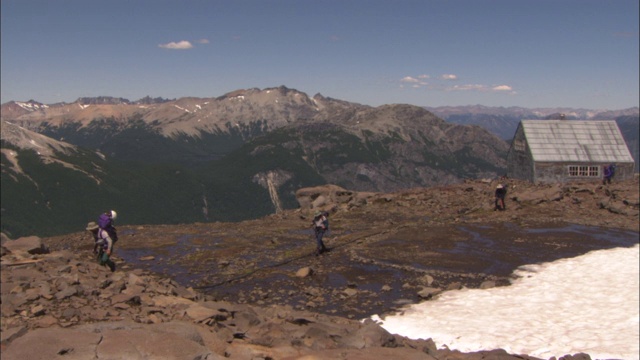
(234, 157)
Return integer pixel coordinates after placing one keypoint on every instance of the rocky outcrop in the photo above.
(30, 244)
(580, 202)
(63, 304)
(329, 198)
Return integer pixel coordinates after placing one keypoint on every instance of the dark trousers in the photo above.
(104, 259)
(319, 234)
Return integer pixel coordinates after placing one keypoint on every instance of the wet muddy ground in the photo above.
(371, 272)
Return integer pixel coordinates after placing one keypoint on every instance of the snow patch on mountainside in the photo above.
(44, 146)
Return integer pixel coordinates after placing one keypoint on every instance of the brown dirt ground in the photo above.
(385, 252)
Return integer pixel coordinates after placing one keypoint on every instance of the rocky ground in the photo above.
(254, 290)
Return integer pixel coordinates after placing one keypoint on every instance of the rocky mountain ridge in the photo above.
(190, 154)
(278, 106)
(532, 113)
(250, 104)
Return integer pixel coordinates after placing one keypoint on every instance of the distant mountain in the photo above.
(504, 121)
(238, 156)
(52, 187)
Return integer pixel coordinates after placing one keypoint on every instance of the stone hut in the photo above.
(552, 151)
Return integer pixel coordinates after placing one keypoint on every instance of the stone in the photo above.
(350, 292)
(488, 284)
(304, 272)
(69, 313)
(38, 310)
(369, 335)
(454, 286)
(429, 292)
(427, 280)
(67, 292)
(164, 301)
(46, 321)
(184, 292)
(200, 313)
(121, 298)
(134, 279)
(30, 244)
(150, 341)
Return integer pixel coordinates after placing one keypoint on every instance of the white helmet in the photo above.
(114, 214)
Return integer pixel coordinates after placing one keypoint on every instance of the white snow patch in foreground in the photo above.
(587, 304)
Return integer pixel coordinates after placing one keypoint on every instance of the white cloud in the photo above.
(419, 81)
(502, 88)
(468, 87)
(481, 88)
(409, 79)
(203, 41)
(180, 45)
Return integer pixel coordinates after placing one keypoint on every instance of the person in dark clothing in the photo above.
(609, 171)
(501, 193)
(106, 238)
(320, 225)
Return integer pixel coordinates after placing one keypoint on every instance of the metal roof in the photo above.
(575, 141)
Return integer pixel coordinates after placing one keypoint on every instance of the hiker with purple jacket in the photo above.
(609, 171)
(107, 236)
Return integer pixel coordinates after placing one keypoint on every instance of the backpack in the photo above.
(104, 221)
(319, 221)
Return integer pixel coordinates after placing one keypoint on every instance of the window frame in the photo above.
(584, 171)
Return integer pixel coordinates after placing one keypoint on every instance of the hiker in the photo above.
(93, 228)
(320, 225)
(609, 171)
(107, 237)
(501, 192)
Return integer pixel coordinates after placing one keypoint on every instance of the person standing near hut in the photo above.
(609, 171)
(501, 193)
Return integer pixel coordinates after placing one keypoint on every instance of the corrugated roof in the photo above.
(576, 140)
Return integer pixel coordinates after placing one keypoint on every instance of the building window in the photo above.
(519, 145)
(584, 171)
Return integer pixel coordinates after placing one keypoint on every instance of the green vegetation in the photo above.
(152, 179)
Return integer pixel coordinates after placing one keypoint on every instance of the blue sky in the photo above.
(530, 53)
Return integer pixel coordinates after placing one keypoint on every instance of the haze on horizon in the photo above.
(528, 53)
